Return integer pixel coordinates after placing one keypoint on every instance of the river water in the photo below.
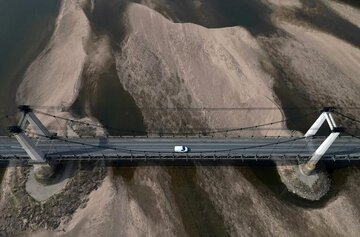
(355, 3)
(25, 27)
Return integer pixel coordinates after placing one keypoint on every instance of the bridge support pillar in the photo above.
(34, 153)
(43, 171)
(326, 115)
(28, 117)
(310, 166)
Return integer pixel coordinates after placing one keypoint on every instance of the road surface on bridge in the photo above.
(202, 148)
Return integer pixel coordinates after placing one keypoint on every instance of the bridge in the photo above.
(43, 147)
(162, 149)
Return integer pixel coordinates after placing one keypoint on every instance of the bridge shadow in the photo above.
(102, 145)
(62, 172)
(346, 152)
(184, 163)
(262, 175)
(99, 161)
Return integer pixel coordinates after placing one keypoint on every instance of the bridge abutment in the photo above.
(312, 186)
(43, 172)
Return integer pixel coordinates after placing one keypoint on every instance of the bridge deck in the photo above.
(116, 148)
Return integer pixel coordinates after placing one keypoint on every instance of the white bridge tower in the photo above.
(326, 115)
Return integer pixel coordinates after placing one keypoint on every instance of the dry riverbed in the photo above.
(162, 58)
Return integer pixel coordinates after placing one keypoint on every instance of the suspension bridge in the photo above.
(42, 147)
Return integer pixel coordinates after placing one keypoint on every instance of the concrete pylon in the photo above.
(28, 117)
(326, 115)
(34, 153)
(42, 169)
(44, 172)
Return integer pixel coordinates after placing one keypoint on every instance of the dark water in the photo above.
(103, 96)
(254, 15)
(107, 19)
(110, 103)
(25, 27)
(355, 3)
(320, 16)
(2, 172)
(199, 216)
(297, 105)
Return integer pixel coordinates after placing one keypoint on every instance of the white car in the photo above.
(181, 149)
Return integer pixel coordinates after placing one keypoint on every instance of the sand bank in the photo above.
(53, 79)
(328, 67)
(142, 206)
(252, 209)
(164, 64)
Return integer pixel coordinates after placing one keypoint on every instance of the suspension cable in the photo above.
(206, 108)
(174, 133)
(348, 117)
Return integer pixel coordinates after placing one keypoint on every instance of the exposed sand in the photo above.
(328, 66)
(53, 79)
(142, 207)
(229, 68)
(249, 211)
(6, 185)
(186, 65)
